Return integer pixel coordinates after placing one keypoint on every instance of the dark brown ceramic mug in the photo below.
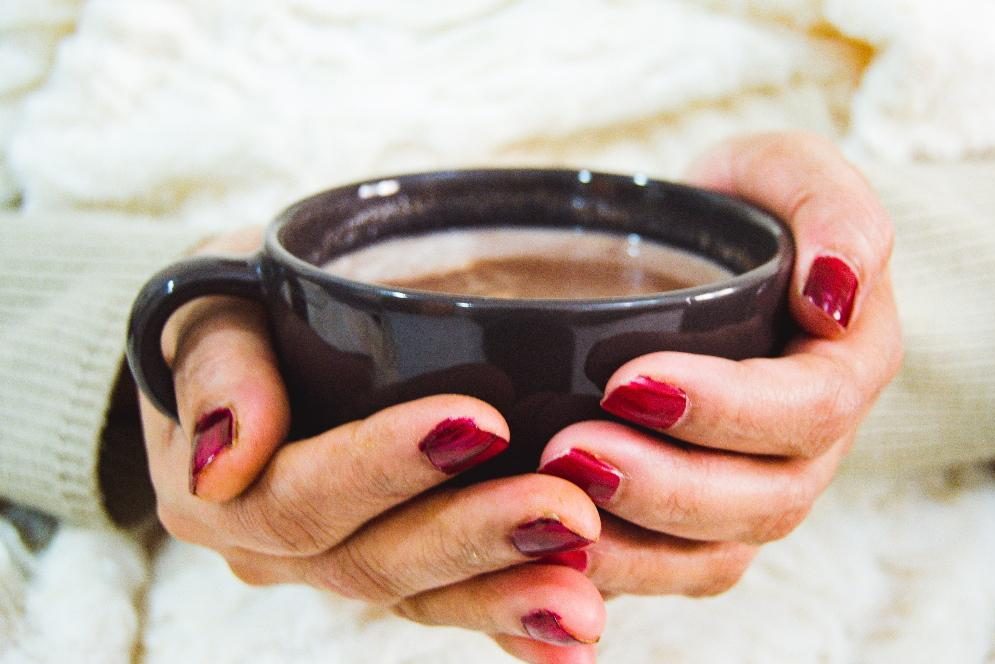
(348, 348)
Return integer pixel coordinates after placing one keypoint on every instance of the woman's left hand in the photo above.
(764, 436)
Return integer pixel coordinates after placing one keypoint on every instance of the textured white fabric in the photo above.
(872, 576)
(81, 601)
(209, 118)
(29, 31)
(221, 111)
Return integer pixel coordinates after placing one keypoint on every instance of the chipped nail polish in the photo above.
(648, 402)
(456, 444)
(598, 479)
(574, 559)
(544, 536)
(213, 434)
(545, 625)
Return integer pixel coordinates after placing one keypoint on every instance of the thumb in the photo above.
(232, 403)
(842, 234)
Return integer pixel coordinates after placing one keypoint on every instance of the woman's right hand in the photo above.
(354, 510)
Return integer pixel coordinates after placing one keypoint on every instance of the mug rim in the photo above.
(781, 259)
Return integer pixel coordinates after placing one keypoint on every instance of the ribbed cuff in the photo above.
(66, 287)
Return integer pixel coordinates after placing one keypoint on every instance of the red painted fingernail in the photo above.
(648, 402)
(213, 434)
(545, 536)
(574, 559)
(599, 479)
(832, 286)
(457, 444)
(545, 625)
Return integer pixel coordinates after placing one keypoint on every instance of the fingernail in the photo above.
(457, 444)
(545, 536)
(573, 559)
(832, 286)
(647, 402)
(598, 479)
(213, 434)
(544, 625)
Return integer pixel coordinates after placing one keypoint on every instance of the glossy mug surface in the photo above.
(351, 343)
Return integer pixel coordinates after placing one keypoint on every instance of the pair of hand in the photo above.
(528, 559)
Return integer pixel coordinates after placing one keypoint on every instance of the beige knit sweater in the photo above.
(65, 290)
(66, 283)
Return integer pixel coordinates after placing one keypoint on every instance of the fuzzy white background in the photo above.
(219, 112)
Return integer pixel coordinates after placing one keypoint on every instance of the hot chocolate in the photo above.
(528, 263)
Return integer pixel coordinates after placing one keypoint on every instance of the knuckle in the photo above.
(816, 154)
(752, 423)
(833, 410)
(356, 575)
(374, 482)
(370, 478)
(459, 549)
(778, 524)
(282, 523)
(729, 563)
(789, 511)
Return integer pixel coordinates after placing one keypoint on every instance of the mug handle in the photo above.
(166, 292)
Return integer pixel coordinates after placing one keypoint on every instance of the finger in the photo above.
(688, 491)
(538, 652)
(632, 560)
(796, 405)
(315, 493)
(843, 234)
(542, 603)
(231, 400)
(447, 537)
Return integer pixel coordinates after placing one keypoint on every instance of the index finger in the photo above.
(843, 235)
(314, 493)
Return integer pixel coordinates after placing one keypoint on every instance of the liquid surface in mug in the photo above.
(527, 263)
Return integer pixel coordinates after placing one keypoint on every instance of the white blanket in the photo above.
(187, 109)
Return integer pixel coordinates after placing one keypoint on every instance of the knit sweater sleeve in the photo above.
(65, 290)
(940, 410)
